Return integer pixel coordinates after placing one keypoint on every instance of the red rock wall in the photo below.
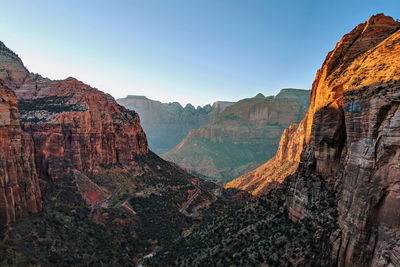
(19, 185)
(350, 138)
(95, 133)
(66, 126)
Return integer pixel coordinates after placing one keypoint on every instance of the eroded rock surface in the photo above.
(240, 138)
(76, 126)
(348, 143)
(166, 124)
(19, 185)
(107, 199)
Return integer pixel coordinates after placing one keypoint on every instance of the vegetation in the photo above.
(64, 234)
(259, 232)
(50, 104)
(69, 231)
(230, 228)
(241, 138)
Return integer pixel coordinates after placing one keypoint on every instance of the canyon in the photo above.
(77, 175)
(241, 137)
(348, 143)
(79, 184)
(166, 124)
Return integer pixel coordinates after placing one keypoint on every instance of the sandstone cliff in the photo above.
(72, 124)
(272, 173)
(105, 194)
(166, 124)
(78, 127)
(19, 184)
(339, 207)
(348, 144)
(242, 137)
(12, 70)
(66, 126)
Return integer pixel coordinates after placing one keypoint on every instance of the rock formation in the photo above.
(240, 138)
(68, 124)
(19, 184)
(349, 143)
(76, 126)
(272, 173)
(73, 125)
(103, 188)
(105, 194)
(12, 69)
(166, 124)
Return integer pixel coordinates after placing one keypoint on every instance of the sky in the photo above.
(190, 51)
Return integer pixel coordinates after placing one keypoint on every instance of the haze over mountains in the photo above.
(344, 188)
(80, 186)
(80, 161)
(221, 141)
(166, 124)
(241, 137)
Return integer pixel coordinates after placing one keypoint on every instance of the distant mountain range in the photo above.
(166, 124)
(79, 185)
(222, 141)
(241, 137)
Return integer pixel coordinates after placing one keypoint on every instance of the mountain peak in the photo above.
(380, 18)
(259, 95)
(362, 38)
(292, 93)
(4, 48)
(137, 97)
(11, 66)
(190, 107)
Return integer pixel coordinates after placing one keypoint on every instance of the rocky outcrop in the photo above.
(339, 207)
(272, 173)
(255, 181)
(73, 125)
(242, 137)
(56, 127)
(78, 127)
(104, 192)
(166, 124)
(349, 144)
(12, 70)
(19, 185)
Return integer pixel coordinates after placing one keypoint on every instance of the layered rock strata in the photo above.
(19, 184)
(350, 139)
(166, 124)
(78, 127)
(240, 138)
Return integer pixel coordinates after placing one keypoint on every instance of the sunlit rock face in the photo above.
(19, 185)
(350, 139)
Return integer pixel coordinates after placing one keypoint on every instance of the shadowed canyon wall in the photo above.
(166, 124)
(66, 125)
(349, 142)
(19, 184)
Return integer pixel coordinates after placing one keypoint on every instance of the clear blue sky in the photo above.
(196, 51)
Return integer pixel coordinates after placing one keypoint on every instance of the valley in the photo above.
(302, 178)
